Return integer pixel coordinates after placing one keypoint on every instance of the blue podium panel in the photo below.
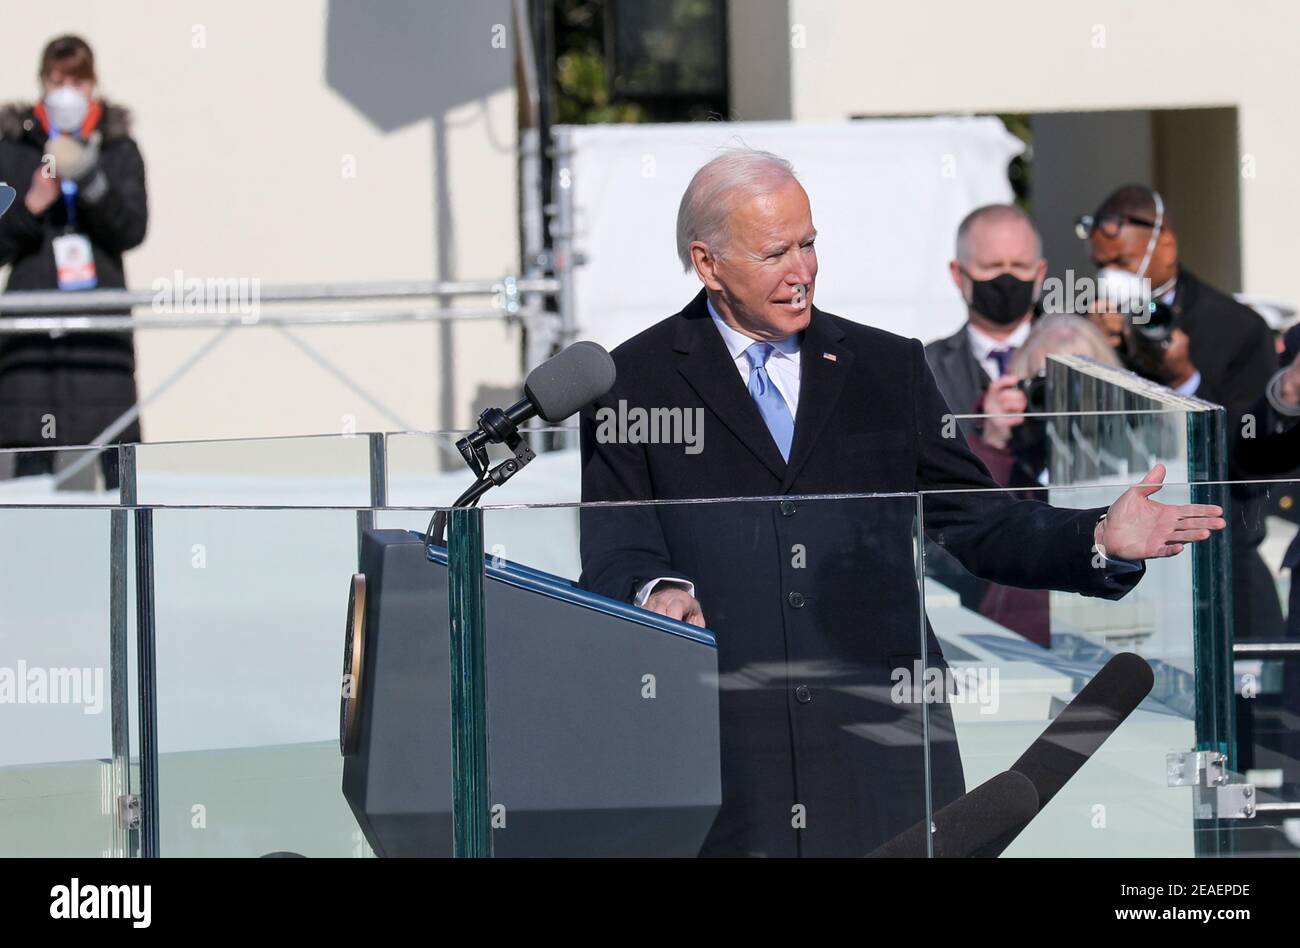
(602, 718)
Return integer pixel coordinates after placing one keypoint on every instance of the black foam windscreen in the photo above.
(570, 380)
(998, 808)
(1078, 731)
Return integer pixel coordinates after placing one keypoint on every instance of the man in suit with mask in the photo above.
(998, 270)
(813, 600)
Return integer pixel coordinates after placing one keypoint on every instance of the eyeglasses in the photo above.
(1109, 224)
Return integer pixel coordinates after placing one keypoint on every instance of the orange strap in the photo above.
(93, 115)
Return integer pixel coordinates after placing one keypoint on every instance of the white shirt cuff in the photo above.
(1274, 394)
(644, 592)
(1111, 565)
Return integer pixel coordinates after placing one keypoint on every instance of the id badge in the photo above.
(75, 262)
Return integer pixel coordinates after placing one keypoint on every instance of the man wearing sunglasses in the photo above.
(1135, 249)
(1189, 336)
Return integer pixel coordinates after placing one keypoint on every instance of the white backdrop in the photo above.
(887, 195)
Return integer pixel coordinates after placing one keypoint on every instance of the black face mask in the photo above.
(1003, 299)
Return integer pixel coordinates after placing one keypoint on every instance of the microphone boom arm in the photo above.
(494, 425)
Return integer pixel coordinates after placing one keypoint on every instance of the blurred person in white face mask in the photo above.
(1135, 248)
(1190, 337)
(81, 204)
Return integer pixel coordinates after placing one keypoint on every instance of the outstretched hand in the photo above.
(1139, 528)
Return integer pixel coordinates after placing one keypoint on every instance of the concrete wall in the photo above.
(1197, 168)
(1079, 157)
(1027, 56)
(310, 141)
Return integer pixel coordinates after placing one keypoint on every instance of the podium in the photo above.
(602, 717)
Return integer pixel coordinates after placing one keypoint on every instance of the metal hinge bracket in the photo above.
(1216, 794)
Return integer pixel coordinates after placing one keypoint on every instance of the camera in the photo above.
(1035, 389)
(1146, 341)
(1158, 325)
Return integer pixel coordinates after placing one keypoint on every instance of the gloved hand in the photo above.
(78, 161)
(74, 159)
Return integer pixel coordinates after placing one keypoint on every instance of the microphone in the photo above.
(1000, 806)
(561, 386)
(985, 821)
(1080, 730)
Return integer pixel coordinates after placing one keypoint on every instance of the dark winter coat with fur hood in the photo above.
(82, 381)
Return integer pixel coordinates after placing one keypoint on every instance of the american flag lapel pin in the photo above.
(830, 357)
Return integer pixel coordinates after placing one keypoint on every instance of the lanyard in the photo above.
(69, 189)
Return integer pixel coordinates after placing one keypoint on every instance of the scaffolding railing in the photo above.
(506, 291)
(515, 299)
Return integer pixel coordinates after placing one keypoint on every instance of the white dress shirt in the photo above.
(782, 365)
(982, 345)
(782, 368)
(1191, 385)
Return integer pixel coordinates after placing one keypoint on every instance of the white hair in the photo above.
(1061, 332)
(716, 189)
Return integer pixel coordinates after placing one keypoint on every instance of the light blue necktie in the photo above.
(775, 412)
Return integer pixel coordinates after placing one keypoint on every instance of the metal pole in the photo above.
(1265, 649)
(1212, 630)
(56, 301)
(148, 683)
(471, 829)
(378, 486)
(562, 236)
(540, 331)
(926, 736)
(79, 322)
(126, 822)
